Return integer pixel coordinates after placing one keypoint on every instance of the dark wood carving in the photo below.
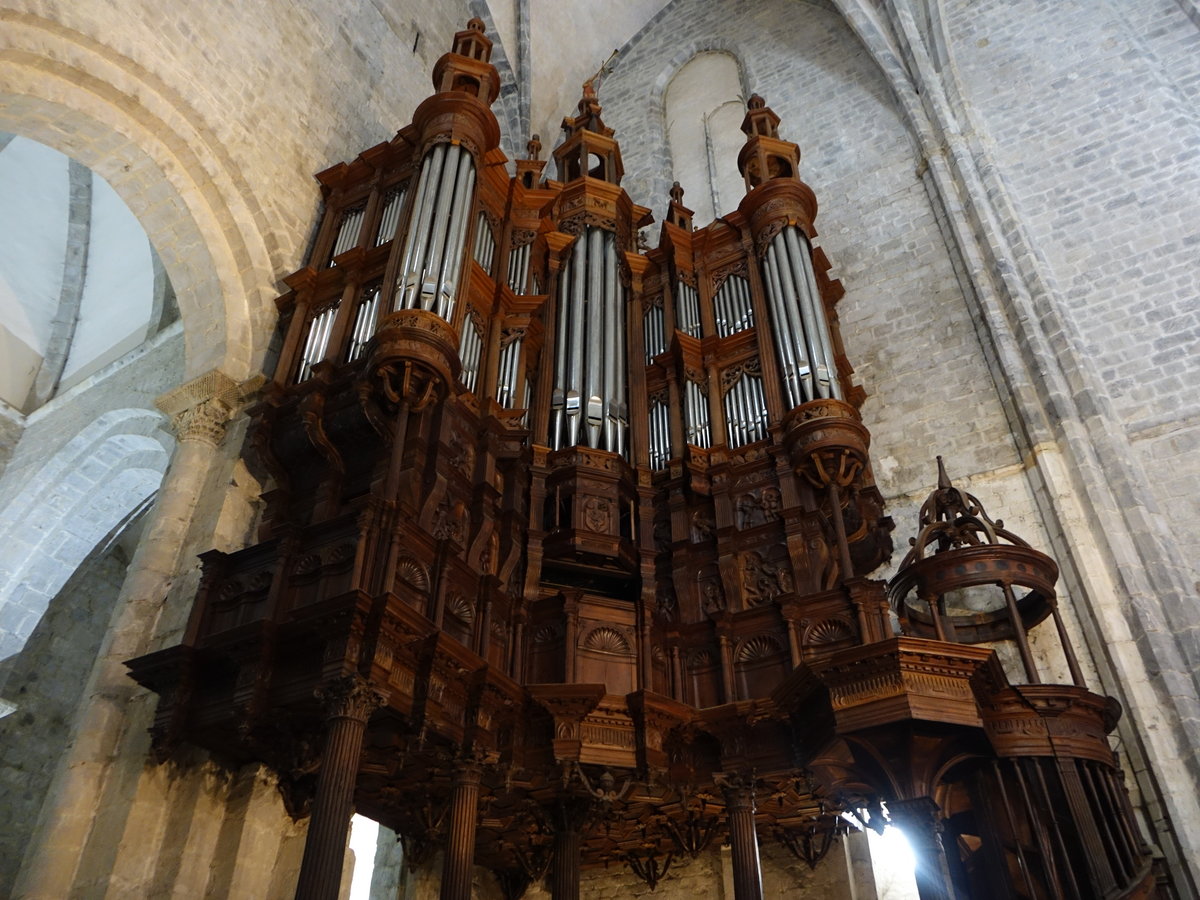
(627, 649)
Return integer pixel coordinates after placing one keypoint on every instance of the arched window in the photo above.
(704, 109)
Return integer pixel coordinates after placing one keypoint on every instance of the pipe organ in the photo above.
(587, 529)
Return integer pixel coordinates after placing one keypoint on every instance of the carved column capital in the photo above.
(738, 788)
(201, 409)
(351, 698)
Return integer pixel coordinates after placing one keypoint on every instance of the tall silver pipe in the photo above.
(408, 284)
(781, 331)
(747, 315)
(454, 256)
(689, 402)
(514, 371)
(779, 328)
(391, 216)
(835, 388)
(757, 404)
(739, 411)
(459, 217)
(430, 267)
(790, 301)
(614, 298)
(597, 341)
(610, 354)
(558, 398)
(812, 335)
(729, 407)
(574, 382)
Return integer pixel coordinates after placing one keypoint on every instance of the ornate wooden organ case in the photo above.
(564, 561)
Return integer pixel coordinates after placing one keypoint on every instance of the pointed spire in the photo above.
(943, 479)
(765, 156)
(588, 148)
(467, 68)
(677, 213)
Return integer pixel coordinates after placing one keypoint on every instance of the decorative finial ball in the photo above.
(756, 102)
(475, 24)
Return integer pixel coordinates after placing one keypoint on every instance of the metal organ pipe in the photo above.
(432, 257)
(506, 390)
(835, 388)
(593, 386)
(590, 377)
(759, 406)
(687, 310)
(781, 332)
(808, 313)
(469, 351)
(789, 302)
(485, 243)
(613, 360)
(408, 281)
(654, 331)
(348, 233)
(660, 434)
(456, 227)
(696, 409)
(439, 229)
(558, 398)
(364, 322)
(390, 217)
(518, 268)
(574, 380)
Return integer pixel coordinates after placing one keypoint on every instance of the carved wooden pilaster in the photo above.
(570, 815)
(350, 702)
(743, 839)
(460, 839)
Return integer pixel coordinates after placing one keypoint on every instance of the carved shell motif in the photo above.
(413, 573)
(828, 631)
(460, 607)
(761, 646)
(606, 640)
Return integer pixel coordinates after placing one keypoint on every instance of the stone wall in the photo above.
(44, 682)
(1094, 116)
(710, 875)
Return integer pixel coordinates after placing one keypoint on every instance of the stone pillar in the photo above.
(743, 839)
(116, 713)
(921, 823)
(351, 702)
(460, 841)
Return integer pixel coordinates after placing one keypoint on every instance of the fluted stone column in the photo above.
(460, 840)
(350, 703)
(921, 823)
(743, 839)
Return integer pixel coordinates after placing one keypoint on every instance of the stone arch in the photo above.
(703, 106)
(92, 103)
(81, 495)
(656, 135)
